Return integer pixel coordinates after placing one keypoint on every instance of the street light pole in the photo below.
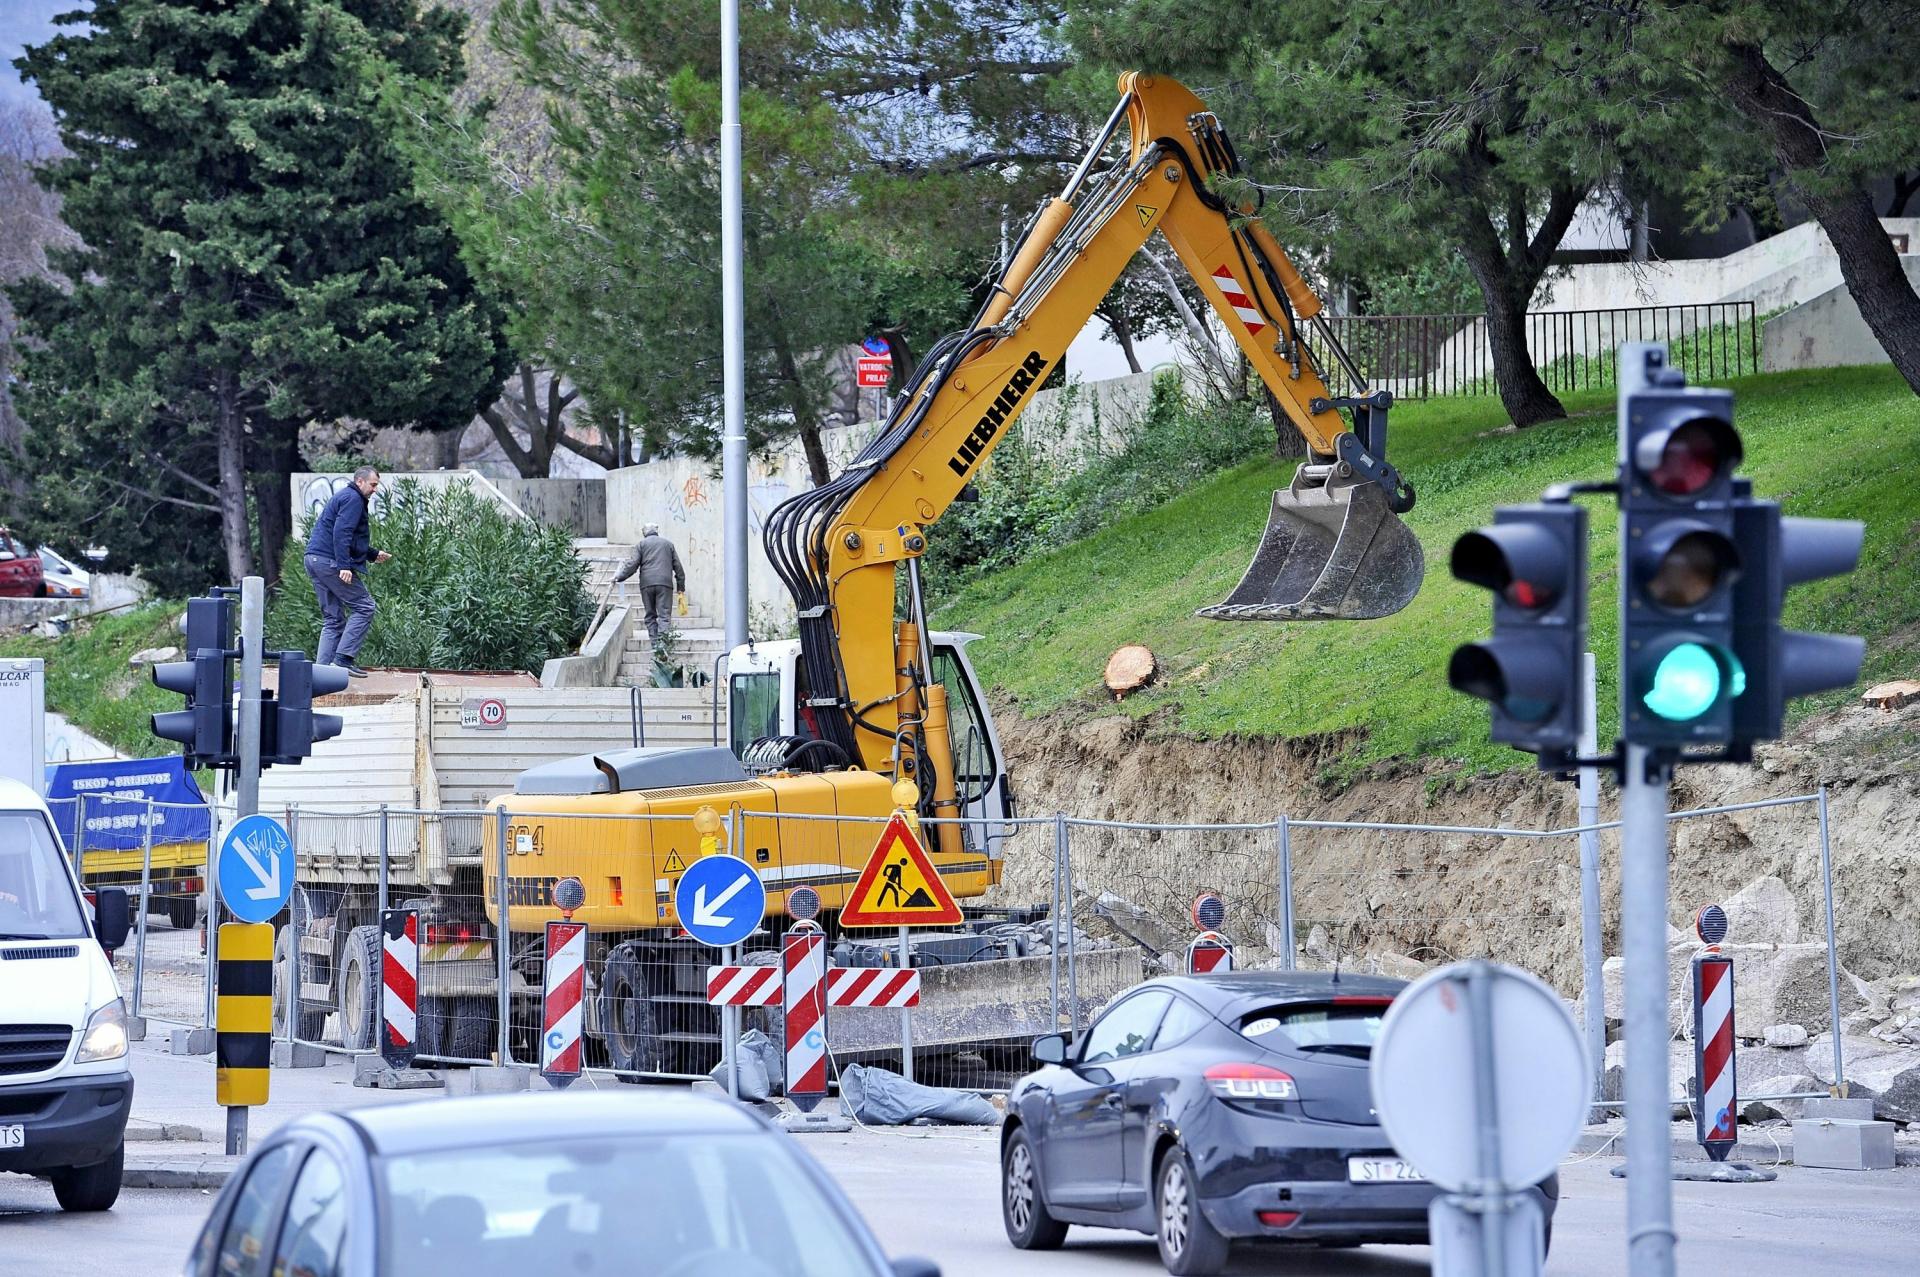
(733, 438)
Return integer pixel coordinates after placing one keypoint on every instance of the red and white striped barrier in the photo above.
(803, 959)
(399, 986)
(1715, 1125)
(846, 987)
(564, 993)
(743, 986)
(872, 987)
(1210, 951)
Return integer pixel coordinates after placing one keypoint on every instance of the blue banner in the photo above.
(116, 808)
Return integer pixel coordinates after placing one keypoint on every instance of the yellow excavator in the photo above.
(824, 726)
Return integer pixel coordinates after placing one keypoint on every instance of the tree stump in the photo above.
(1128, 670)
(1886, 696)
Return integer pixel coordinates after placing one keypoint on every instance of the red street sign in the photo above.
(871, 372)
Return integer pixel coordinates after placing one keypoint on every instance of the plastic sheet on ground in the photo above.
(881, 1097)
(759, 1067)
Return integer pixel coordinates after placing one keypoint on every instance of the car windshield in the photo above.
(37, 900)
(10, 548)
(688, 1206)
(1345, 1027)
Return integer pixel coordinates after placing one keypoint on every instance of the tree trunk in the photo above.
(1507, 275)
(1905, 186)
(1868, 263)
(817, 468)
(276, 453)
(1122, 331)
(230, 430)
(446, 448)
(1287, 439)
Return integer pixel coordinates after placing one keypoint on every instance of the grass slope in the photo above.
(1839, 443)
(88, 679)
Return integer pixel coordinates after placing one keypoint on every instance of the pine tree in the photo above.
(254, 257)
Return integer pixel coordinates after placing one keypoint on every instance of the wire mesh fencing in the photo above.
(1059, 915)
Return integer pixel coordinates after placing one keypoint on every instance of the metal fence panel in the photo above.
(1423, 356)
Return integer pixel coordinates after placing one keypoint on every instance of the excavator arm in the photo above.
(1334, 547)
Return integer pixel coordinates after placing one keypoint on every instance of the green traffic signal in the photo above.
(1690, 679)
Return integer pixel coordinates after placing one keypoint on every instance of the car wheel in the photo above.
(90, 1188)
(1029, 1226)
(1188, 1242)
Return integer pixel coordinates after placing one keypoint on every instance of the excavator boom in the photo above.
(1334, 546)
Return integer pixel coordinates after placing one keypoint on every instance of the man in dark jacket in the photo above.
(658, 564)
(338, 552)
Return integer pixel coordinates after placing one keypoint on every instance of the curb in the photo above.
(207, 1170)
(1760, 1153)
(144, 1131)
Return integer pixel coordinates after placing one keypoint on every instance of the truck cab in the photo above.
(65, 1091)
(765, 702)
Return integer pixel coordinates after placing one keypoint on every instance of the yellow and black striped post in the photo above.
(243, 1023)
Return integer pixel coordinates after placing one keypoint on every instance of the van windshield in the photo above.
(37, 901)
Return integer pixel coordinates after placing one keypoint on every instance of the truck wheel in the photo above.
(471, 1031)
(360, 989)
(287, 974)
(89, 1188)
(182, 911)
(626, 1012)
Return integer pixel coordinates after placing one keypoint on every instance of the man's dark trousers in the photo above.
(346, 612)
(659, 603)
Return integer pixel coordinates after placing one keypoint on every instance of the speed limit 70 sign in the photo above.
(484, 712)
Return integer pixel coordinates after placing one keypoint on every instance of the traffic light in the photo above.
(1680, 674)
(1534, 559)
(288, 725)
(1781, 664)
(205, 678)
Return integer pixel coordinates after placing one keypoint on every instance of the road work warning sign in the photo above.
(899, 887)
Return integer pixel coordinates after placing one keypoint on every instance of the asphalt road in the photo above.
(934, 1194)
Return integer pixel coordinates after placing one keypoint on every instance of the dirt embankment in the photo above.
(1445, 896)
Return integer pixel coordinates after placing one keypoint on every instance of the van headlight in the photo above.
(106, 1035)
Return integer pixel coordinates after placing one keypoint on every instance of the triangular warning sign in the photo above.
(899, 887)
(674, 864)
(1145, 212)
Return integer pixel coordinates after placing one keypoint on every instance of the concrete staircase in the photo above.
(698, 639)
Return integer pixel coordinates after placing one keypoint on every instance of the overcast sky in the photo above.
(25, 22)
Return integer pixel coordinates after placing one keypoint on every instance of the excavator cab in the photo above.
(1333, 550)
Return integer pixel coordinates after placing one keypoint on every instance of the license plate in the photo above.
(13, 1137)
(1382, 1170)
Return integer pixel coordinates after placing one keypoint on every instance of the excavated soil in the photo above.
(1373, 898)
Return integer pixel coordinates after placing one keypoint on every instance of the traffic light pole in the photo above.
(246, 778)
(253, 610)
(1592, 952)
(1643, 938)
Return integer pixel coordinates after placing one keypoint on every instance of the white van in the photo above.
(64, 1087)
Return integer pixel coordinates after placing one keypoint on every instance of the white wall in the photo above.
(1826, 332)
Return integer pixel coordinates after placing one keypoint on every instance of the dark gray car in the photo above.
(582, 1183)
(1202, 1109)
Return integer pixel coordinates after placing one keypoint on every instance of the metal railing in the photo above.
(1425, 356)
(1093, 906)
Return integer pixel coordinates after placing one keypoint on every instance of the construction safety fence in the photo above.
(1060, 915)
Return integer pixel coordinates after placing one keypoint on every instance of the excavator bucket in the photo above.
(1329, 553)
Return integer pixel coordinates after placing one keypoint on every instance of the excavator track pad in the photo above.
(1331, 552)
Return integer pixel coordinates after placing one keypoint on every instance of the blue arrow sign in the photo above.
(256, 868)
(720, 900)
